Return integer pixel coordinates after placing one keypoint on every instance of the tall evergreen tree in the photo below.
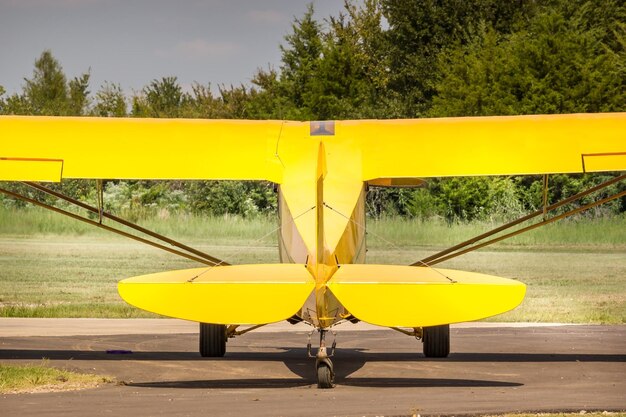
(559, 63)
(301, 56)
(419, 30)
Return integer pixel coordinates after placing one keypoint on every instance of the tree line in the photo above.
(383, 59)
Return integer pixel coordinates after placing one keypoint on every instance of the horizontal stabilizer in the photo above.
(241, 294)
(407, 296)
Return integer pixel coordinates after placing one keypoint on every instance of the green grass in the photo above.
(42, 378)
(35, 221)
(604, 232)
(575, 271)
(95, 309)
(584, 233)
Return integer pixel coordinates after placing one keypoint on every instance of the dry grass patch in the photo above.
(20, 379)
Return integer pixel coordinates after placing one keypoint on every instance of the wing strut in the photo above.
(194, 254)
(458, 250)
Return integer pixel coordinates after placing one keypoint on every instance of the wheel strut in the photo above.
(323, 364)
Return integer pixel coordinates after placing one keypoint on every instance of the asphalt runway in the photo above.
(491, 369)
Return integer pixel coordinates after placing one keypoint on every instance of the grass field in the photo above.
(575, 271)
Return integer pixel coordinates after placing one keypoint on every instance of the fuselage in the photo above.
(322, 227)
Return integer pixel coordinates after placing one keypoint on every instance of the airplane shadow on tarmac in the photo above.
(284, 353)
(347, 361)
(355, 382)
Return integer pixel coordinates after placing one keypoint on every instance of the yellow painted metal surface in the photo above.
(40, 170)
(604, 162)
(405, 296)
(486, 145)
(367, 149)
(146, 148)
(241, 294)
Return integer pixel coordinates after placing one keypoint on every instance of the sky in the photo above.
(131, 42)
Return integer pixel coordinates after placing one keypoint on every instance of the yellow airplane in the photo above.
(322, 170)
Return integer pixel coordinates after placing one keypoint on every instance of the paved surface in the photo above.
(379, 372)
(90, 327)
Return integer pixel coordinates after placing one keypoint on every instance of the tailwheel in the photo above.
(212, 340)
(323, 364)
(325, 374)
(436, 341)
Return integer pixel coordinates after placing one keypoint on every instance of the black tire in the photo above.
(325, 376)
(436, 341)
(212, 340)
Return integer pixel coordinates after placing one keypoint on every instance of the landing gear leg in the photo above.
(323, 364)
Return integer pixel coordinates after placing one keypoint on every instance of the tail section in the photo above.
(385, 295)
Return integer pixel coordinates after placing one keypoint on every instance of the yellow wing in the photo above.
(514, 145)
(52, 148)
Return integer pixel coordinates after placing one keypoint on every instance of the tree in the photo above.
(477, 79)
(373, 58)
(160, 98)
(48, 92)
(268, 99)
(352, 75)
(337, 87)
(110, 101)
(16, 104)
(419, 30)
(558, 64)
(78, 100)
(202, 104)
(2, 100)
(301, 58)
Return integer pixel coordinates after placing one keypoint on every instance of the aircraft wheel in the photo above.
(212, 340)
(436, 341)
(325, 375)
